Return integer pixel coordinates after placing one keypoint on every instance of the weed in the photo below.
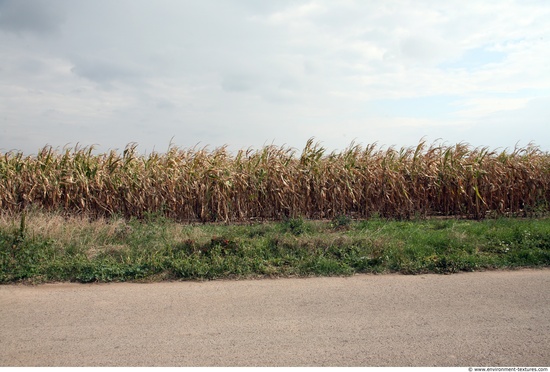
(89, 251)
(340, 222)
(295, 226)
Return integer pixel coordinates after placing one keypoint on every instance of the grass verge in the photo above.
(45, 248)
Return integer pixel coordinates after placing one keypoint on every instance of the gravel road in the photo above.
(496, 318)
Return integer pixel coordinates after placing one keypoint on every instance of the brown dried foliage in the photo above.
(276, 182)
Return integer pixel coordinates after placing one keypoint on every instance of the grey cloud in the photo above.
(102, 71)
(32, 66)
(238, 83)
(30, 16)
(282, 91)
(279, 97)
(163, 104)
(289, 84)
(265, 7)
(310, 67)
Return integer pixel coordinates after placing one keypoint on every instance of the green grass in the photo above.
(46, 248)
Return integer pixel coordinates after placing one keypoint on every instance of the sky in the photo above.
(250, 73)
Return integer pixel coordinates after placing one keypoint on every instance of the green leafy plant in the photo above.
(295, 226)
(341, 221)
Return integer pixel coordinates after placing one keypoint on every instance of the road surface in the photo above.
(497, 318)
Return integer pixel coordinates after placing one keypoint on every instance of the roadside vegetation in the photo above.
(43, 247)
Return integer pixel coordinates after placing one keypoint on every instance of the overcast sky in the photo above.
(251, 72)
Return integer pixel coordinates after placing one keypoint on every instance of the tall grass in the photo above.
(278, 182)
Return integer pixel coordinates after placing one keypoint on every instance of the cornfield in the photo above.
(277, 182)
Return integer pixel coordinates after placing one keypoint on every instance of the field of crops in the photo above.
(278, 182)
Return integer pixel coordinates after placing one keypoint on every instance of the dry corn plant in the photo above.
(277, 182)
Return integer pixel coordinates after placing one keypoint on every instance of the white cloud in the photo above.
(297, 13)
(480, 107)
(244, 72)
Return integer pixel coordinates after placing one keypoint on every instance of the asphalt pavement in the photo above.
(495, 318)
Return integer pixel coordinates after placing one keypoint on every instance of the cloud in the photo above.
(245, 72)
(30, 16)
(526, 122)
(475, 58)
(239, 82)
(483, 107)
(425, 49)
(103, 71)
(297, 13)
